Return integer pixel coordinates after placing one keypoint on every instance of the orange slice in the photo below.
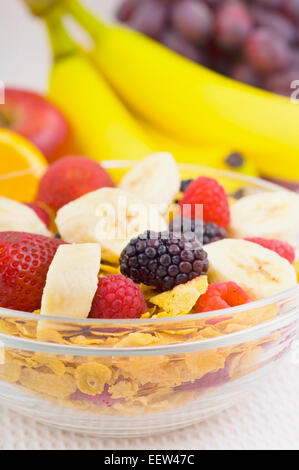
(21, 167)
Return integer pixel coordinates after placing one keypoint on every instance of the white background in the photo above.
(268, 418)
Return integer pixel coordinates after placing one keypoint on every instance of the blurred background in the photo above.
(24, 53)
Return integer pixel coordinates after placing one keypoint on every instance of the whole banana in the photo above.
(194, 103)
(103, 127)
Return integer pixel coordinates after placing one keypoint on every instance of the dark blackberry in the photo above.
(163, 260)
(185, 184)
(203, 231)
(213, 233)
(57, 235)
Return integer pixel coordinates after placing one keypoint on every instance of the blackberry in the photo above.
(212, 233)
(205, 232)
(185, 184)
(163, 260)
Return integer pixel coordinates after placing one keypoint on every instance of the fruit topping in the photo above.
(162, 260)
(284, 249)
(211, 195)
(24, 262)
(204, 232)
(260, 272)
(117, 297)
(69, 178)
(72, 281)
(221, 295)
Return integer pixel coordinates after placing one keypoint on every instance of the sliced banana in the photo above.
(155, 179)
(15, 216)
(72, 281)
(260, 272)
(109, 216)
(268, 215)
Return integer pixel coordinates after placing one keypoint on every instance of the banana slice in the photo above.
(109, 216)
(72, 281)
(268, 215)
(15, 216)
(259, 271)
(155, 179)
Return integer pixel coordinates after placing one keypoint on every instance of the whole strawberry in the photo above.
(24, 262)
(70, 178)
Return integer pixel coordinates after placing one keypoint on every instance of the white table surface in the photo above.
(268, 418)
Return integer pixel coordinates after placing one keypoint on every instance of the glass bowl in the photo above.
(121, 378)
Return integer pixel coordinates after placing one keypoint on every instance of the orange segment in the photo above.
(21, 166)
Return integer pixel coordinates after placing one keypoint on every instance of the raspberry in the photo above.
(283, 249)
(204, 232)
(209, 193)
(162, 260)
(221, 295)
(117, 297)
(41, 213)
(24, 262)
(69, 178)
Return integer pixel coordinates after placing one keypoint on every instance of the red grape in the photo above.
(266, 52)
(193, 20)
(233, 23)
(291, 9)
(253, 41)
(270, 3)
(150, 17)
(126, 10)
(244, 73)
(177, 43)
(280, 25)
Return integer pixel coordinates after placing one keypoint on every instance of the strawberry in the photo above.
(24, 262)
(69, 178)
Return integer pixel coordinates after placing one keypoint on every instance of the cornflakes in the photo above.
(92, 377)
(47, 383)
(136, 385)
(10, 372)
(182, 298)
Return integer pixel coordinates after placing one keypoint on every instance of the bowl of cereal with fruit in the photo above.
(157, 295)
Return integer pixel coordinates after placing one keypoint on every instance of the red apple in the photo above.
(34, 117)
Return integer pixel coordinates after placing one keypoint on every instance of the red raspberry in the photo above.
(221, 295)
(283, 249)
(24, 262)
(117, 297)
(209, 193)
(69, 178)
(41, 213)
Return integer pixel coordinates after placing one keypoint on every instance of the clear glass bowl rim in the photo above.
(210, 343)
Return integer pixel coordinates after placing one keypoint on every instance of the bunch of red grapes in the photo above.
(253, 41)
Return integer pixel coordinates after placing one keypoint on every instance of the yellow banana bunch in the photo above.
(192, 102)
(103, 127)
(218, 156)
